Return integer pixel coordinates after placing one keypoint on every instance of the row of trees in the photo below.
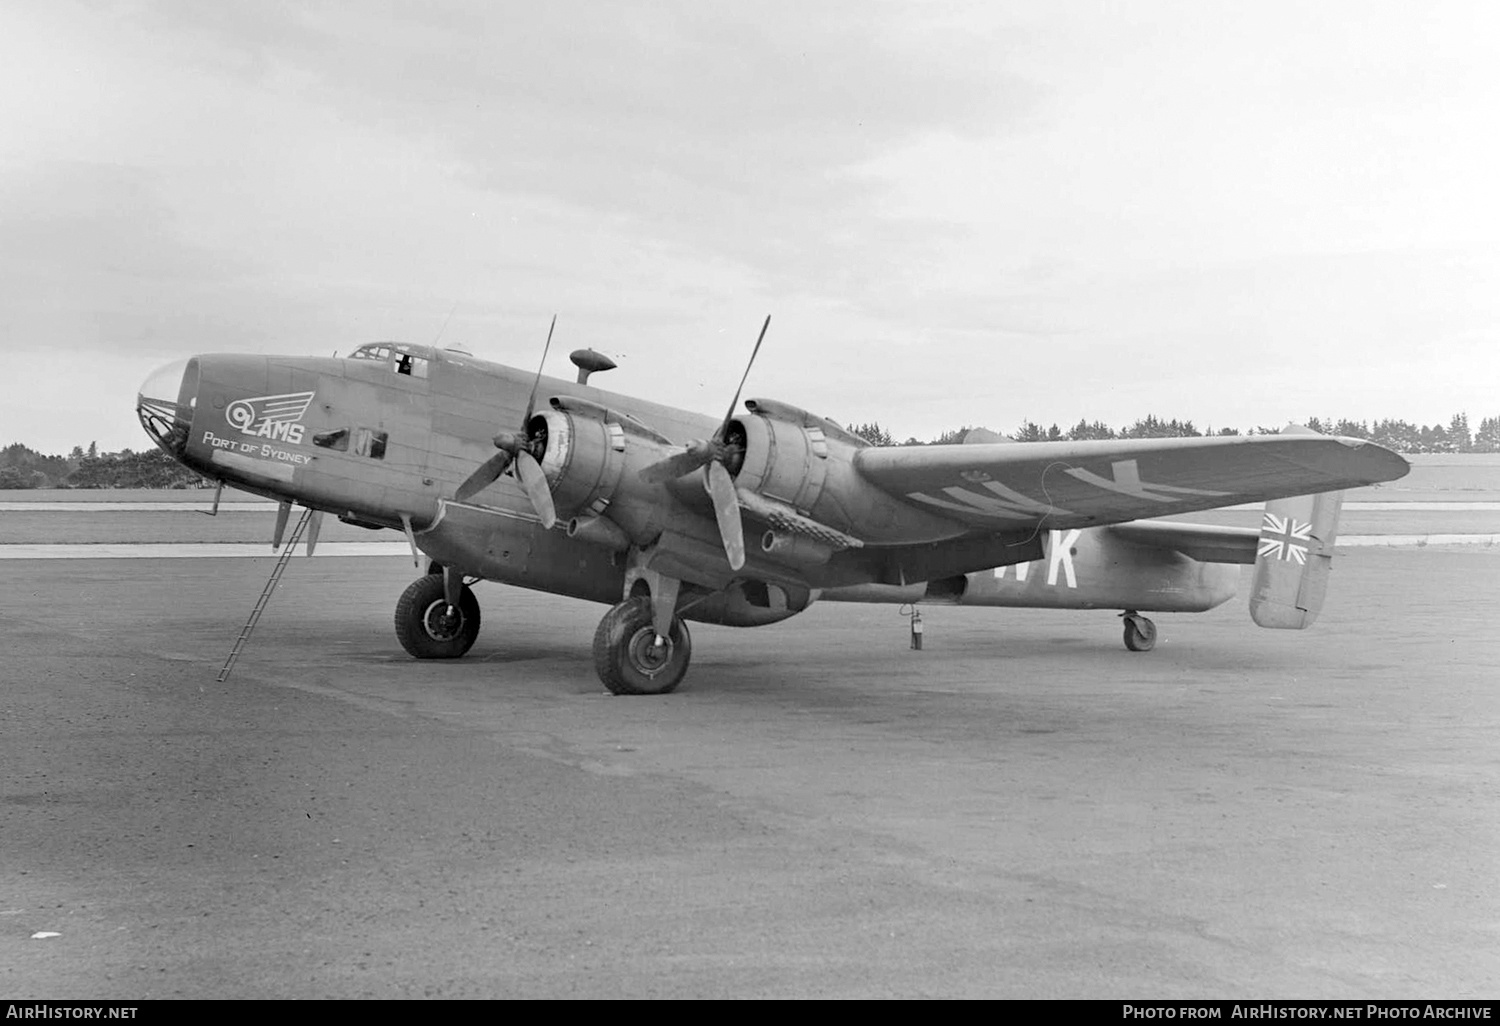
(1398, 435)
(21, 467)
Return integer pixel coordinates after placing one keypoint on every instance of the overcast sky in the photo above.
(1235, 213)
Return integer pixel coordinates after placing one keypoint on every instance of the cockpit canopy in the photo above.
(399, 357)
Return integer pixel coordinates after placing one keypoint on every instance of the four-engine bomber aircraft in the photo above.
(647, 508)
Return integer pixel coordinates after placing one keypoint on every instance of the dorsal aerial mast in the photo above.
(589, 362)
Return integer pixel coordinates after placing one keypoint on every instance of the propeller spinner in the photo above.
(518, 449)
(712, 454)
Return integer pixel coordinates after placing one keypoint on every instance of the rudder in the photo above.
(1293, 558)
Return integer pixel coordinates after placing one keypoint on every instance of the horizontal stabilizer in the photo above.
(1207, 543)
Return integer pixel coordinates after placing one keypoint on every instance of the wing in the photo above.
(1085, 484)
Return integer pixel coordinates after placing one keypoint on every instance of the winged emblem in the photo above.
(270, 416)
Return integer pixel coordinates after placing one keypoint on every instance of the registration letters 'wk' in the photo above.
(1059, 559)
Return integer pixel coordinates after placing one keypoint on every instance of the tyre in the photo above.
(1140, 634)
(423, 625)
(626, 655)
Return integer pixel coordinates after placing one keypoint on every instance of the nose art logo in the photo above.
(270, 416)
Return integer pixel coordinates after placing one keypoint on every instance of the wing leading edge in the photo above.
(1084, 484)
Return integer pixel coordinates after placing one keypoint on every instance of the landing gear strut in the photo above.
(642, 647)
(428, 626)
(632, 659)
(1140, 633)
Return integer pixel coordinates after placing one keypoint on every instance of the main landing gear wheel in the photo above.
(427, 629)
(627, 657)
(1140, 633)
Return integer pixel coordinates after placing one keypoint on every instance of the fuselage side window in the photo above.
(371, 443)
(337, 440)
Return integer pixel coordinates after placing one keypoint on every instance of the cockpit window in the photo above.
(378, 352)
(411, 361)
(415, 366)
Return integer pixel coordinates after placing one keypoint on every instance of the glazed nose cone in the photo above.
(165, 404)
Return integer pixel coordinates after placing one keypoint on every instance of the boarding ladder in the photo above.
(265, 595)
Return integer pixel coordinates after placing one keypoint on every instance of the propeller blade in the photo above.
(314, 525)
(711, 450)
(531, 400)
(513, 446)
(675, 466)
(727, 511)
(723, 431)
(534, 480)
(486, 475)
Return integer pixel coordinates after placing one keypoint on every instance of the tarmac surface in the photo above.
(1022, 809)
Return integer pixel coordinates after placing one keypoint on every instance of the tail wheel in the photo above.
(1140, 633)
(626, 654)
(425, 626)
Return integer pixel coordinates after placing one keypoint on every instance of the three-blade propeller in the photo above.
(516, 448)
(712, 453)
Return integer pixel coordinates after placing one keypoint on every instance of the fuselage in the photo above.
(1087, 568)
(384, 437)
(381, 439)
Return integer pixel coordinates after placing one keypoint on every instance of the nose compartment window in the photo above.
(371, 443)
(165, 404)
(338, 440)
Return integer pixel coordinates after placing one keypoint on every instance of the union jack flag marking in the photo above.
(1284, 538)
